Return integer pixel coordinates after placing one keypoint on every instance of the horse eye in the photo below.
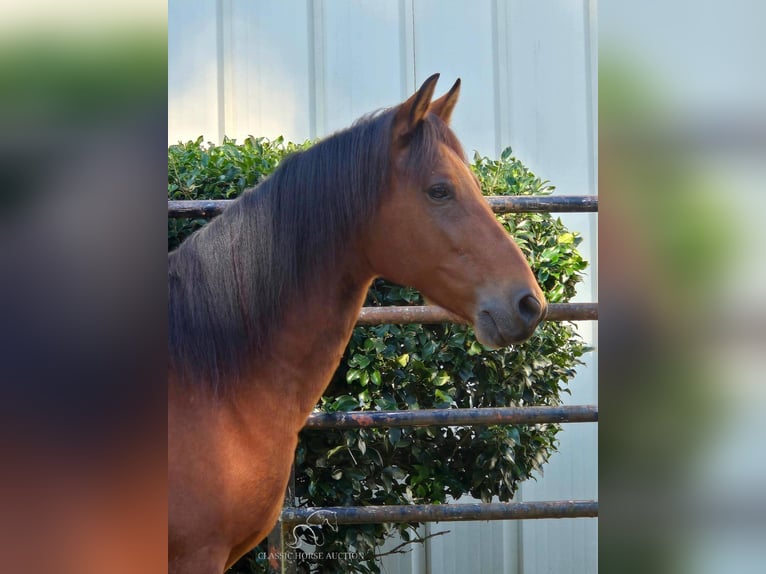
(439, 192)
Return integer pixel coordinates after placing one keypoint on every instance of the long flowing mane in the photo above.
(229, 283)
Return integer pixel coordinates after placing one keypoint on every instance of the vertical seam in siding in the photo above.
(427, 550)
(503, 75)
(591, 91)
(407, 47)
(588, 15)
(520, 534)
(495, 12)
(414, 51)
(221, 92)
(316, 68)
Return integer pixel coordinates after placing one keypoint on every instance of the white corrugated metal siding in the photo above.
(303, 69)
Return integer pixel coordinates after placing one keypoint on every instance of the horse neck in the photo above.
(310, 343)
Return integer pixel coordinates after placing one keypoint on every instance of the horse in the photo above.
(262, 302)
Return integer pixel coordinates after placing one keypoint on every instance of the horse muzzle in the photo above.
(500, 323)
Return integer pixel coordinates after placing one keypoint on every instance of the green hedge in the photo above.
(401, 367)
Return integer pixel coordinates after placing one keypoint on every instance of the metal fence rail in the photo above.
(500, 204)
(431, 314)
(441, 512)
(454, 417)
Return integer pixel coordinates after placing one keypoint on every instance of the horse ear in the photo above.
(411, 113)
(443, 106)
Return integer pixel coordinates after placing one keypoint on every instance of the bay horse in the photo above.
(262, 302)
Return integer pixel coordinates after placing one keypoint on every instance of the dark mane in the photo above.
(229, 283)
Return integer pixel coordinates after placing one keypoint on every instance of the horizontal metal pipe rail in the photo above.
(441, 512)
(500, 204)
(454, 417)
(431, 314)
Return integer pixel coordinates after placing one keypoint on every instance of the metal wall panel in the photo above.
(266, 68)
(455, 38)
(193, 99)
(549, 120)
(362, 59)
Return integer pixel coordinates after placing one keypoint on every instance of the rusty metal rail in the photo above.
(543, 204)
(441, 512)
(208, 208)
(431, 314)
(454, 417)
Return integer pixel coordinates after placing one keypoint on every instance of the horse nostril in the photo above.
(530, 309)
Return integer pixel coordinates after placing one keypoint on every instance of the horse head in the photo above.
(434, 231)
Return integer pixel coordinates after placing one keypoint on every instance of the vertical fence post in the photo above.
(282, 559)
